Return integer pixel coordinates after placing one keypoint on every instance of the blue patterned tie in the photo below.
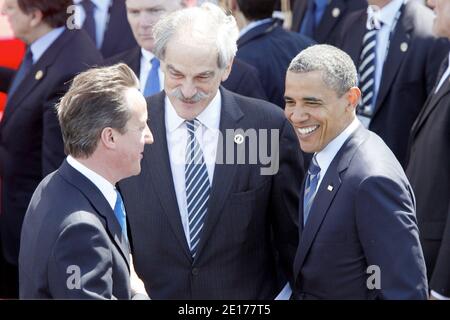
(310, 187)
(197, 186)
(24, 69)
(152, 84)
(89, 21)
(366, 70)
(119, 211)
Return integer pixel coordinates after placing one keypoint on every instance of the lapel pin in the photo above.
(330, 188)
(404, 47)
(39, 75)
(239, 138)
(336, 12)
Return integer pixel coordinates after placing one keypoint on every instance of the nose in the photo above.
(148, 135)
(188, 90)
(297, 115)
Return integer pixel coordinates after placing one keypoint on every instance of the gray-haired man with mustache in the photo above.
(202, 229)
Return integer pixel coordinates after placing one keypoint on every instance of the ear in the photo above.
(108, 138)
(227, 71)
(353, 96)
(36, 18)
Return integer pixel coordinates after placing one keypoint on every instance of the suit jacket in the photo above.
(363, 215)
(407, 76)
(429, 173)
(70, 230)
(270, 49)
(330, 25)
(243, 78)
(118, 35)
(249, 214)
(30, 137)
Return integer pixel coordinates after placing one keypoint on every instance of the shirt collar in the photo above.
(210, 117)
(148, 56)
(41, 45)
(326, 156)
(253, 24)
(105, 187)
(386, 14)
(102, 5)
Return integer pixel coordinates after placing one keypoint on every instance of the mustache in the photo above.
(176, 93)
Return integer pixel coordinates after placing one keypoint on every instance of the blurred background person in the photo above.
(322, 20)
(398, 57)
(105, 21)
(428, 167)
(30, 137)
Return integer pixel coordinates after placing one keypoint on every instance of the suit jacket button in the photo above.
(195, 272)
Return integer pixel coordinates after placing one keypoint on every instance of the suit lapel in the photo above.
(223, 173)
(354, 46)
(100, 204)
(398, 49)
(158, 163)
(430, 105)
(328, 189)
(299, 12)
(36, 75)
(329, 19)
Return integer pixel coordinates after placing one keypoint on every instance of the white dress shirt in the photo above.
(326, 156)
(177, 136)
(444, 76)
(105, 187)
(387, 15)
(146, 66)
(101, 17)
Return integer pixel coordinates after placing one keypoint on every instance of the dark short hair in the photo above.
(54, 11)
(256, 9)
(96, 100)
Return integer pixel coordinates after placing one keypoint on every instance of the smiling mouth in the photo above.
(305, 131)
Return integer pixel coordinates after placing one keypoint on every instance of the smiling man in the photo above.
(357, 227)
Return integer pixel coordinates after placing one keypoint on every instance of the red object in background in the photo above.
(11, 53)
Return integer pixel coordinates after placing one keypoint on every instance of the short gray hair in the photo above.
(338, 70)
(95, 100)
(208, 20)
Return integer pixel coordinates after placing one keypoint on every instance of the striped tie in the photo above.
(312, 180)
(197, 186)
(367, 67)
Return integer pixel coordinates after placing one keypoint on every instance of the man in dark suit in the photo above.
(30, 138)
(264, 44)
(404, 64)
(142, 16)
(429, 171)
(328, 15)
(209, 218)
(106, 23)
(357, 226)
(74, 241)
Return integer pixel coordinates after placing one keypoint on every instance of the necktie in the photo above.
(89, 21)
(313, 15)
(366, 70)
(152, 84)
(310, 187)
(24, 69)
(197, 186)
(119, 211)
